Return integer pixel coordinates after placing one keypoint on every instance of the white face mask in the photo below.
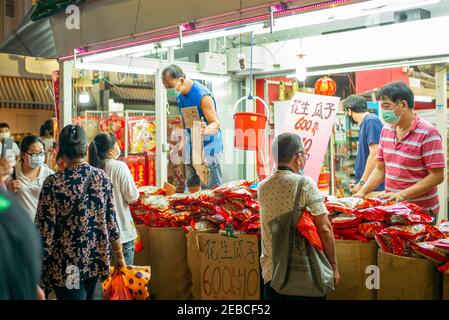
(36, 162)
(5, 135)
(118, 153)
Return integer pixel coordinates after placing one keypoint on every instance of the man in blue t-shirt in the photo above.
(356, 110)
(190, 94)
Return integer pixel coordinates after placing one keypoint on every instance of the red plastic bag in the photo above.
(370, 229)
(349, 205)
(127, 283)
(117, 289)
(392, 243)
(306, 227)
(345, 221)
(403, 213)
(430, 251)
(397, 239)
(444, 268)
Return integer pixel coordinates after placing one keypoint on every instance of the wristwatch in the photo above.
(362, 182)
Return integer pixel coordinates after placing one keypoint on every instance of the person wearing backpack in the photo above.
(283, 197)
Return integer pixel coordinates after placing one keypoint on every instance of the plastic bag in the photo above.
(430, 251)
(345, 221)
(349, 205)
(397, 239)
(403, 213)
(127, 283)
(117, 289)
(444, 268)
(306, 227)
(370, 229)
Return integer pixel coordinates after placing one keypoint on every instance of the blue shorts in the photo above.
(215, 176)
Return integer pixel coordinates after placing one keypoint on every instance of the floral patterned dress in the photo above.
(85, 241)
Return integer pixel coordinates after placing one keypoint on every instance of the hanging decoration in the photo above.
(325, 86)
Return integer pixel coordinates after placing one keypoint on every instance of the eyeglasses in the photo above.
(35, 155)
(306, 154)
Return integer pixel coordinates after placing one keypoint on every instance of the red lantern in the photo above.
(325, 86)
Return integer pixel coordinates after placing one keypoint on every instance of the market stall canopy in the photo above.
(26, 93)
(31, 38)
(109, 23)
(137, 95)
(47, 8)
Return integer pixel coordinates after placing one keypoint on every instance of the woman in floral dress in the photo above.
(77, 222)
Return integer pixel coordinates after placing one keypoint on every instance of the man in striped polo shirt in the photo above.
(410, 158)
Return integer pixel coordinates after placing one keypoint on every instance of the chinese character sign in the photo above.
(312, 117)
(229, 267)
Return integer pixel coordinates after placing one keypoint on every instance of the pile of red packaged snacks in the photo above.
(230, 206)
(399, 228)
(367, 219)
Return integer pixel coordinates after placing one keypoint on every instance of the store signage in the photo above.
(312, 117)
(229, 267)
(340, 129)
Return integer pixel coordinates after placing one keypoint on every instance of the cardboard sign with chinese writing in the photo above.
(312, 117)
(190, 115)
(229, 267)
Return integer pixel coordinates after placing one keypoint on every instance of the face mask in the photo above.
(352, 119)
(172, 92)
(390, 117)
(118, 153)
(35, 162)
(5, 135)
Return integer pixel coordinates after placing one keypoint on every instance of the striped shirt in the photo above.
(408, 161)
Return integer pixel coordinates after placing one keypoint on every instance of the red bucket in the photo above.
(249, 130)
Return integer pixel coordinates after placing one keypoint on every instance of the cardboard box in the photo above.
(165, 250)
(229, 267)
(193, 260)
(353, 259)
(445, 286)
(405, 278)
(142, 258)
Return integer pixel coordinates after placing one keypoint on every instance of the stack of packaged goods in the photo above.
(231, 206)
(367, 219)
(398, 228)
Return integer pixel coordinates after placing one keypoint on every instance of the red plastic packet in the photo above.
(349, 205)
(306, 227)
(444, 268)
(404, 213)
(370, 229)
(430, 251)
(396, 239)
(345, 221)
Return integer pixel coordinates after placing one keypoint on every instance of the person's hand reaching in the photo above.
(6, 170)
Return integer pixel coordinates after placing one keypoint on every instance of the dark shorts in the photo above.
(215, 175)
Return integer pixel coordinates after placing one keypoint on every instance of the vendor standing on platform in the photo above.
(356, 109)
(190, 93)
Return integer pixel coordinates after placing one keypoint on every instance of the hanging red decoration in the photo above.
(325, 86)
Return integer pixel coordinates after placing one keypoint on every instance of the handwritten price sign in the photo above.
(229, 267)
(312, 117)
